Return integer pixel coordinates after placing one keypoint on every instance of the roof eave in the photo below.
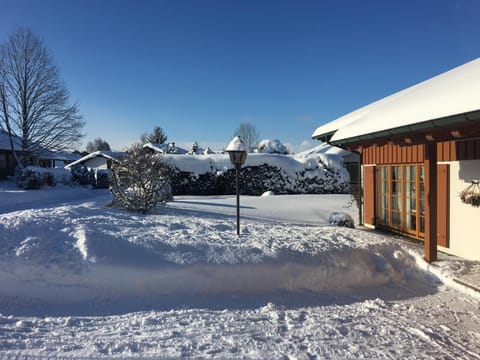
(446, 123)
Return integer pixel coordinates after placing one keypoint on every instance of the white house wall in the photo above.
(464, 218)
(98, 162)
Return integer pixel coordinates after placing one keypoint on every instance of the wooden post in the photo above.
(430, 181)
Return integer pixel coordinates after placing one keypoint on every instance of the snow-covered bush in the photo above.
(81, 175)
(271, 147)
(141, 180)
(341, 219)
(28, 179)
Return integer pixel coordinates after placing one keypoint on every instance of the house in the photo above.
(50, 159)
(419, 149)
(96, 160)
(7, 159)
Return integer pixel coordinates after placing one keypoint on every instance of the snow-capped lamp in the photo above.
(237, 150)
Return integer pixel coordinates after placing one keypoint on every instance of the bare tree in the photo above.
(141, 180)
(249, 134)
(34, 100)
(158, 136)
(97, 144)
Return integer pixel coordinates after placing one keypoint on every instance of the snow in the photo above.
(453, 92)
(291, 165)
(271, 147)
(81, 279)
(110, 155)
(236, 145)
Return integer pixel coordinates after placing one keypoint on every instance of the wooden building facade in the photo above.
(420, 155)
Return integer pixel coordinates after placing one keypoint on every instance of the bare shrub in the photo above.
(141, 180)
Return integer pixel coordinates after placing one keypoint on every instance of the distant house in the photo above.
(419, 150)
(51, 159)
(169, 148)
(97, 160)
(7, 160)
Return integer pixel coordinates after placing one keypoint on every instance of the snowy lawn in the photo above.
(79, 279)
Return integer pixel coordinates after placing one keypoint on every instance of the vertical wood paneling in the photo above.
(469, 150)
(421, 152)
(443, 205)
(461, 150)
(369, 194)
(477, 150)
(415, 153)
(430, 179)
(439, 151)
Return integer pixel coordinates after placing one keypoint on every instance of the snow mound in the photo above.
(341, 219)
(86, 252)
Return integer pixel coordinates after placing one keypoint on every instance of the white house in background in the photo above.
(169, 148)
(51, 159)
(97, 160)
(420, 150)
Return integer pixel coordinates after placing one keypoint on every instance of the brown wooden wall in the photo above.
(369, 194)
(10, 169)
(443, 205)
(396, 154)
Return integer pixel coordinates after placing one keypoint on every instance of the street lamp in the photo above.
(238, 154)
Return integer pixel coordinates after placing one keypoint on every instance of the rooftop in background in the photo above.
(110, 155)
(5, 141)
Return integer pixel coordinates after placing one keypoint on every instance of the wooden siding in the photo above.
(369, 194)
(408, 154)
(9, 162)
(443, 205)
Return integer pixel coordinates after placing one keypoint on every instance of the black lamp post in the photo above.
(238, 154)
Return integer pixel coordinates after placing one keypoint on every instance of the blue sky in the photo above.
(200, 68)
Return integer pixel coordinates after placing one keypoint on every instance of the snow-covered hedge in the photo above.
(98, 178)
(282, 174)
(34, 177)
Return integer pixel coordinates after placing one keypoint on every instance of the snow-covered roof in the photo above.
(110, 155)
(61, 156)
(170, 148)
(5, 141)
(452, 93)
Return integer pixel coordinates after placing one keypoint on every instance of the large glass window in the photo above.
(400, 198)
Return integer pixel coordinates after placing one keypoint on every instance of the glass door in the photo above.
(400, 198)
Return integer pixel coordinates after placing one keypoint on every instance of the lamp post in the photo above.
(238, 154)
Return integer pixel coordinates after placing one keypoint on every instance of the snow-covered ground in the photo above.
(79, 279)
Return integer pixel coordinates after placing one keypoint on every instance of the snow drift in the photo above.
(89, 253)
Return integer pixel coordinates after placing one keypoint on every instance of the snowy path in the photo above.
(84, 280)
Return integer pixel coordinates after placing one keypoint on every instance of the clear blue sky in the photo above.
(200, 68)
